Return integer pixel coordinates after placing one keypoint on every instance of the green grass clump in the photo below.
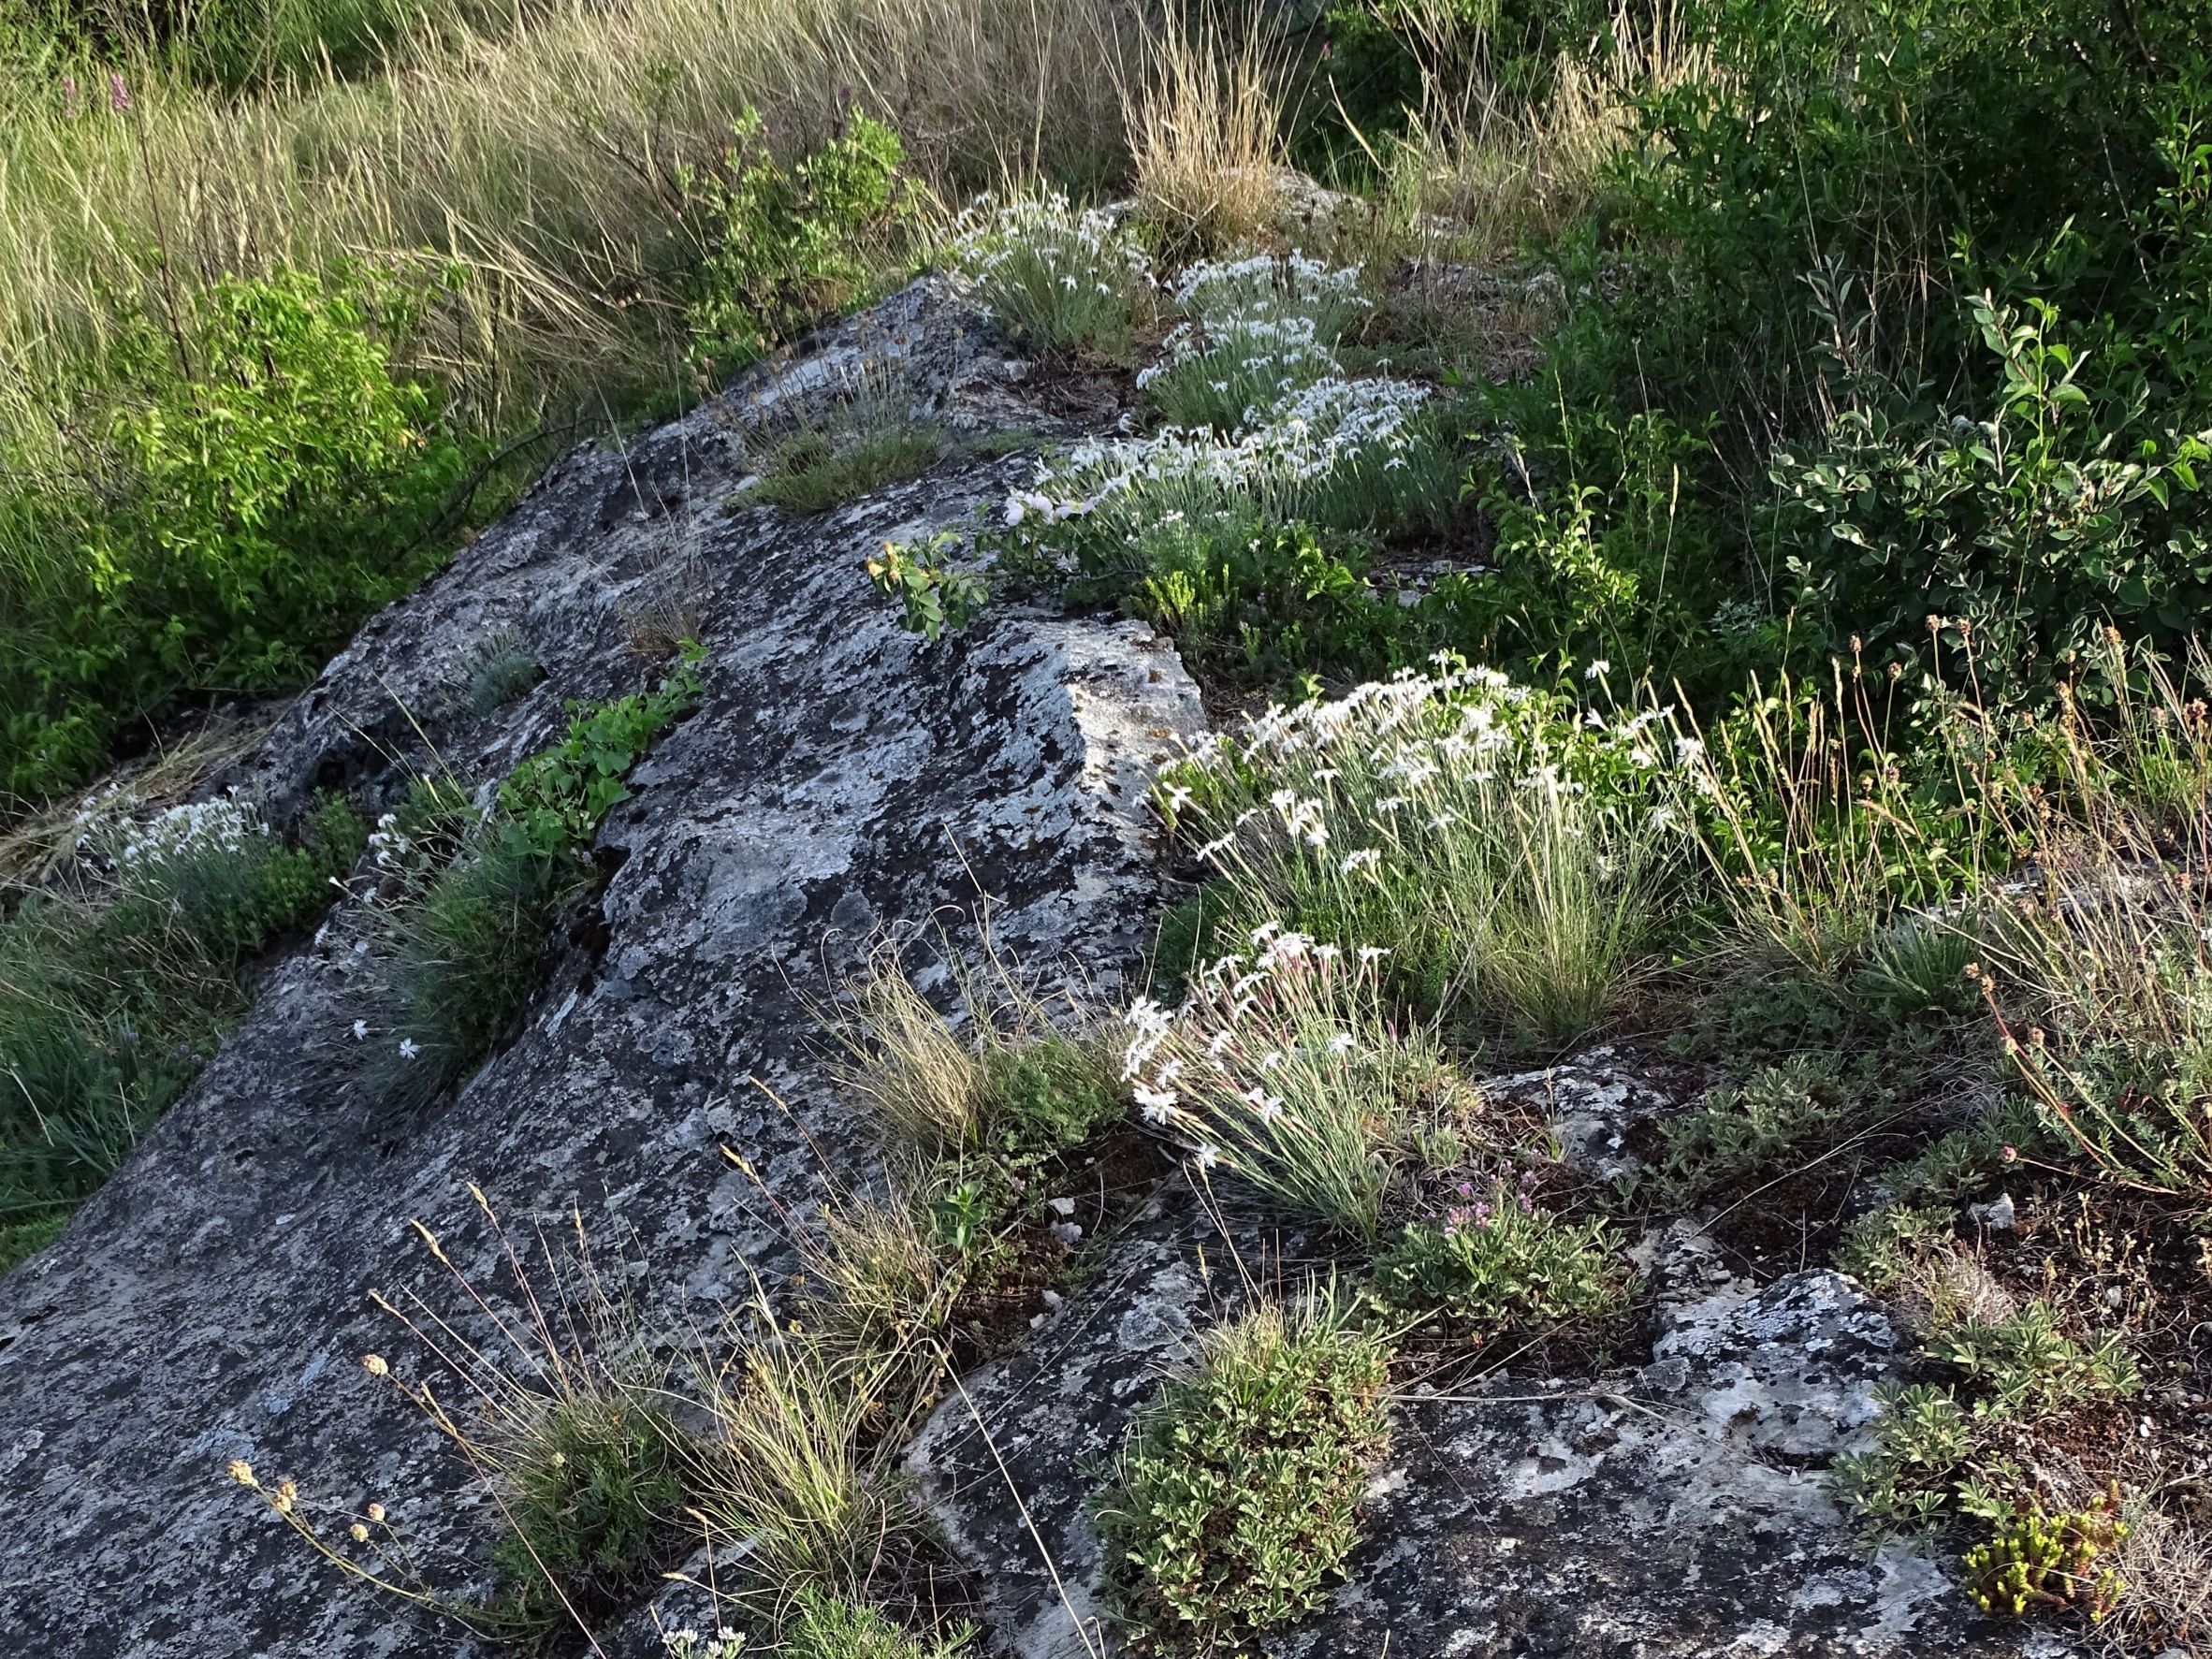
(1506, 855)
(468, 897)
(594, 1501)
(1290, 1071)
(500, 670)
(829, 1627)
(1233, 1505)
(109, 1002)
(816, 469)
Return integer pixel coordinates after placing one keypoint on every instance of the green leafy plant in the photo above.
(1234, 1504)
(938, 597)
(2050, 1562)
(789, 244)
(1498, 1263)
(256, 478)
(1740, 1130)
(1947, 1447)
(829, 1627)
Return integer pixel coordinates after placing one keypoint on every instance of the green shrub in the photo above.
(1938, 272)
(1497, 1263)
(593, 1502)
(1234, 1504)
(789, 245)
(254, 480)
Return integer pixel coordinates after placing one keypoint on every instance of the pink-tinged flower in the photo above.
(119, 96)
(69, 96)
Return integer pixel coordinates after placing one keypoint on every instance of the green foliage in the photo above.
(1232, 1506)
(1253, 602)
(1601, 550)
(1497, 1263)
(594, 1505)
(938, 597)
(1502, 851)
(470, 896)
(1879, 1245)
(831, 1627)
(2049, 1563)
(254, 480)
(2039, 525)
(107, 1007)
(553, 801)
(790, 244)
(1948, 1447)
(1741, 1130)
(1938, 271)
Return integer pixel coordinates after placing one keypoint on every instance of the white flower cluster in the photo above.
(388, 842)
(1260, 330)
(181, 834)
(689, 1644)
(1330, 425)
(1259, 359)
(1000, 250)
(1222, 292)
(1270, 1068)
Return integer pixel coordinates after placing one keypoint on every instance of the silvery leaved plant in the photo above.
(1055, 277)
(1506, 847)
(1288, 1068)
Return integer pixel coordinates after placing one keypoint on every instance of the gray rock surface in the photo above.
(836, 775)
(1666, 1513)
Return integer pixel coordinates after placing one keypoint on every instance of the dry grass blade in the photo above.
(1205, 135)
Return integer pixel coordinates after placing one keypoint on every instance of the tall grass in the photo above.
(541, 170)
(1501, 167)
